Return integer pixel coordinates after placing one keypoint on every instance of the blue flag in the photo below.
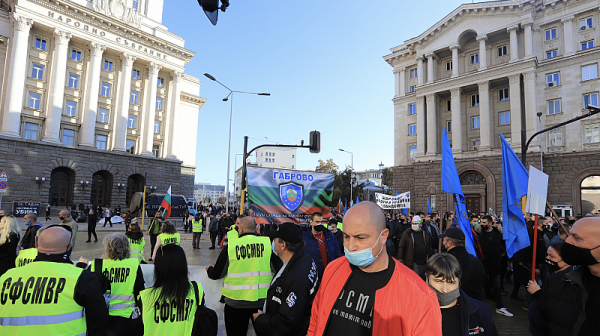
(514, 186)
(357, 201)
(345, 206)
(451, 184)
(428, 206)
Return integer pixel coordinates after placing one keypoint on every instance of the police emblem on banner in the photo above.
(291, 195)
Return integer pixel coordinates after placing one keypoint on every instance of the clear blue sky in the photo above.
(320, 60)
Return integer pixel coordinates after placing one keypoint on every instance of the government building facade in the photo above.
(466, 73)
(95, 103)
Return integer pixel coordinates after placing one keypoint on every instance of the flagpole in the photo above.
(441, 220)
(535, 233)
(143, 207)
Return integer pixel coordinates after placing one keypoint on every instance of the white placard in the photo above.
(401, 201)
(537, 192)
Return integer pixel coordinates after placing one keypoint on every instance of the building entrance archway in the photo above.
(61, 187)
(474, 188)
(590, 194)
(101, 188)
(135, 183)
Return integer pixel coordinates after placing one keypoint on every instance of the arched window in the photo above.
(590, 194)
(472, 178)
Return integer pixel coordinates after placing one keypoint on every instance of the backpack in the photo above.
(206, 322)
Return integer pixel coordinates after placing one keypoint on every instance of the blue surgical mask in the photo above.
(27, 223)
(273, 247)
(362, 258)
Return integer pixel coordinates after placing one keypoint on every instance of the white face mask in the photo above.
(416, 227)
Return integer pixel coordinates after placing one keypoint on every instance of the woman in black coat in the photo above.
(9, 239)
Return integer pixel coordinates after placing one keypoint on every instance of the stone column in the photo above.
(397, 83)
(175, 118)
(568, 32)
(150, 109)
(402, 82)
(514, 43)
(420, 126)
(454, 49)
(482, 52)
(15, 80)
(432, 130)
(457, 131)
(515, 111)
(88, 125)
(420, 75)
(123, 117)
(485, 119)
(430, 67)
(528, 39)
(531, 108)
(57, 87)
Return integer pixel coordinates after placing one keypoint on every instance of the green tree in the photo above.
(327, 167)
(387, 178)
(341, 187)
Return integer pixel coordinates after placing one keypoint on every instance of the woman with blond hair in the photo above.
(9, 239)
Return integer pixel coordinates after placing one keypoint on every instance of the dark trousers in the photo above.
(196, 239)
(221, 234)
(213, 236)
(236, 320)
(54, 202)
(118, 326)
(92, 231)
(152, 243)
(492, 284)
(107, 221)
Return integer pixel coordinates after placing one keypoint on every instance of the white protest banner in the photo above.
(537, 191)
(401, 201)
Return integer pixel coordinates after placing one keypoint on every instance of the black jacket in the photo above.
(561, 309)
(87, 295)
(473, 277)
(339, 236)
(492, 247)
(538, 318)
(290, 298)
(475, 317)
(400, 228)
(28, 240)
(92, 219)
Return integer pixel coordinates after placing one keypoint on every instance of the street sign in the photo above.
(3, 185)
(3, 175)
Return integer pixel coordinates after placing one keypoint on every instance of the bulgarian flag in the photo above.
(166, 204)
(340, 206)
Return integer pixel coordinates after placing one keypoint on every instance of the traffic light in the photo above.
(315, 142)
(211, 8)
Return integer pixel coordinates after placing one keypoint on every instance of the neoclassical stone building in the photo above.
(466, 73)
(94, 100)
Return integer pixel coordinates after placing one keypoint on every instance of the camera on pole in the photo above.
(315, 142)
(211, 8)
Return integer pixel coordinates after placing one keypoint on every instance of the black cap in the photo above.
(454, 233)
(288, 232)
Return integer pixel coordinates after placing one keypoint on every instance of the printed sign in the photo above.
(401, 201)
(22, 208)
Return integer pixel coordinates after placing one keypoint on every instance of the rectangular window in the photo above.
(159, 104)
(475, 122)
(40, 43)
(550, 34)
(76, 55)
(161, 82)
(31, 131)
(130, 145)
(504, 118)
(587, 45)
(592, 133)
(134, 97)
(156, 126)
(412, 129)
(449, 126)
(448, 105)
(156, 150)
(552, 80)
(554, 107)
(590, 99)
(103, 115)
(33, 101)
(132, 121)
(589, 72)
(413, 88)
(448, 66)
(551, 53)
(135, 74)
(413, 73)
(555, 138)
(71, 108)
(135, 5)
(108, 65)
(412, 152)
(476, 144)
(68, 137)
(503, 94)
(587, 23)
(412, 109)
(475, 100)
(73, 81)
(474, 58)
(37, 71)
(106, 89)
(502, 51)
(101, 141)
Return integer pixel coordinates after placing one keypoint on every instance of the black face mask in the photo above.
(553, 266)
(574, 255)
(318, 228)
(62, 218)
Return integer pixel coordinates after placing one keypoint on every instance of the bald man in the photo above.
(367, 292)
(50, 295)
(246, 265)
(572, 306)
(66, 219)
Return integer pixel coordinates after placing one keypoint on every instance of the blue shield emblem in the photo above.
(291, 195)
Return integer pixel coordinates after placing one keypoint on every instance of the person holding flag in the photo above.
(154, 227)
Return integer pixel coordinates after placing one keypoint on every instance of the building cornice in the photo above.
(117, 27)
(192, 99)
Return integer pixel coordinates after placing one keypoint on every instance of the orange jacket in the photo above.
(405, 306)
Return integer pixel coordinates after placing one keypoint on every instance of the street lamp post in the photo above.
(203, 192)
(231, 92)
(351, 170)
